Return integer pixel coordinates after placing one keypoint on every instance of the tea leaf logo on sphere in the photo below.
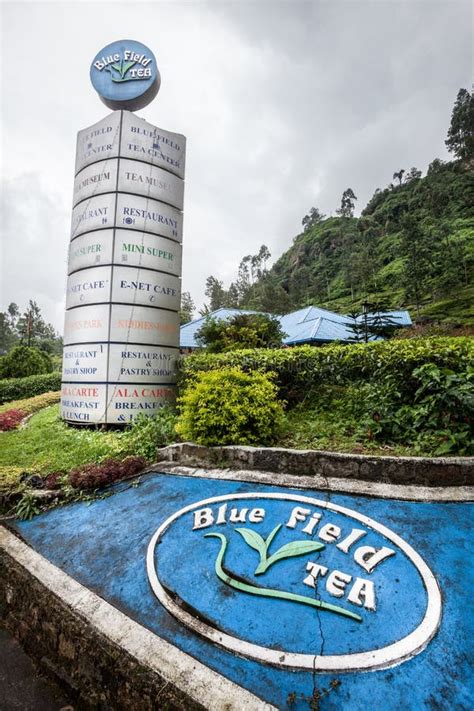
(121, 68)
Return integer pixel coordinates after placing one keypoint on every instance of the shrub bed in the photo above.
(304, 367)
(23, 361)
(32, 404)
(12, 414)
(18, 388)
(415, 393)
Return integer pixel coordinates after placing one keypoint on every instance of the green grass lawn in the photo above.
(47, 444)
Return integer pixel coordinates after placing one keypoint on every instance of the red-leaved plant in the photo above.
(10, 419)
(53, 480)
(94, 476)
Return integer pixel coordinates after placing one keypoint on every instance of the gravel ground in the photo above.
(21, 687)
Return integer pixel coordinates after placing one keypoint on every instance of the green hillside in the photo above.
(417, 235)
(411, 248)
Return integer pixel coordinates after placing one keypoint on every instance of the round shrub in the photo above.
(229, 406)
(22, 361)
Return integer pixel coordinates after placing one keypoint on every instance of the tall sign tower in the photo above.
(121, 332)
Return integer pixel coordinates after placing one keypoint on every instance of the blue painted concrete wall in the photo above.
(104, 546)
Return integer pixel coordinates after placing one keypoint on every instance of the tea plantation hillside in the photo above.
(412, 247)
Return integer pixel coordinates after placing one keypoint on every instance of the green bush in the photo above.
(240, 331)
(146, 433)
(229, 406)
(303, 368)
(19, 388)
(23, 361)
(438, 417)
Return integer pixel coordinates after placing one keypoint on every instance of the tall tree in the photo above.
(8, 328)
(314, 217)
(216, 294)
(460, 140)
(186, 311)
(34, 331)
(7, 336)
(413, 174)
(398, 176)
(347, 204)
(372, 322)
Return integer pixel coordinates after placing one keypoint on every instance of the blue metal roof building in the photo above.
(309, 325)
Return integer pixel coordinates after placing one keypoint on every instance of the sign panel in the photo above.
(143, 286)
(96, 179)
(141, 364)
(126, 401)
(86, 324)
(85, 363)
(148, 180)
(142, 141)
(123, 289)
(92, 214)
(142, 324)
(83, 403)
(90, 250)
(134, 177)
(88, 286)
(98, 142)
(142, 249)
(144, 214)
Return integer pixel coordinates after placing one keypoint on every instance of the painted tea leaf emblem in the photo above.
(227, 578)
(254, 540)
(292, 549)
(289, 550)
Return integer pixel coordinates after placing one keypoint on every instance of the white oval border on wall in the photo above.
(381, 658)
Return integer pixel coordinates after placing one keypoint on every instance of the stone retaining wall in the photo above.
(105, 659)
(423, 471)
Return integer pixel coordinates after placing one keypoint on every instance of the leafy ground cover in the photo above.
(328, 423)
(47, 444)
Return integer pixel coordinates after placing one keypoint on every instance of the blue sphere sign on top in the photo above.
(125, 75)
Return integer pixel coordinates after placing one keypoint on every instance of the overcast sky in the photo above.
(284, 105)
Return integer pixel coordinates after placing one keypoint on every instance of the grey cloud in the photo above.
(284, 104)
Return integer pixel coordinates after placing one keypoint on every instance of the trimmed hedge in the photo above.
(32, 404)
(301, 368)
(19, 388)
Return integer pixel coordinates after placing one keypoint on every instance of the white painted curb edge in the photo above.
(202, 684)
(356, 487)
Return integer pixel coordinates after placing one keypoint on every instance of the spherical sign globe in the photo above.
(125, 75)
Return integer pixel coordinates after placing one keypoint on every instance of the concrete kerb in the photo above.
(93, 641)
(338, 485)
(418, 471)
